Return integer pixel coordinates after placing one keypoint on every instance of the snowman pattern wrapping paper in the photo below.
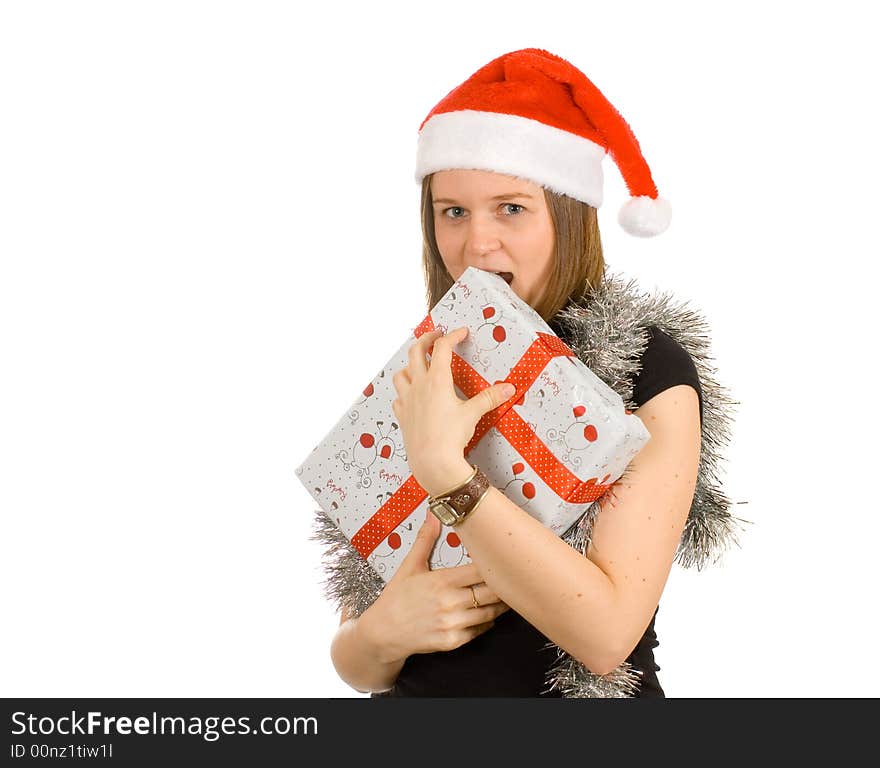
(572, 427)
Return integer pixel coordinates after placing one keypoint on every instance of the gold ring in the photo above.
(474, 594)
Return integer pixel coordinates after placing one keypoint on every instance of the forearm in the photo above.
(554, 587)
(359, 662)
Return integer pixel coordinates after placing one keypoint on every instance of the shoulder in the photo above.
(665, 363)
(664, 352)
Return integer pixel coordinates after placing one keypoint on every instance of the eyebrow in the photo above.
(508, 196)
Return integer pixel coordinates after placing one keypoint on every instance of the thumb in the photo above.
(491, 397)
(420, 552)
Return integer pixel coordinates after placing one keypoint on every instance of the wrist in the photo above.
(376, 645)
(448, 476)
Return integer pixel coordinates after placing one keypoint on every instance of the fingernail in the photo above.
(509, 390)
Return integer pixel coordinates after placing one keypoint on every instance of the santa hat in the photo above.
(534, 115)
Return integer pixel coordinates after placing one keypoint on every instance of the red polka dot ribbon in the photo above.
(510, 424)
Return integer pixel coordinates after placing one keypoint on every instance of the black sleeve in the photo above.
(665, 363)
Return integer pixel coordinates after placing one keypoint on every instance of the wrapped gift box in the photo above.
(553, 451)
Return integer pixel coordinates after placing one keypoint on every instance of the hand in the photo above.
(436, 424)
(421, 611)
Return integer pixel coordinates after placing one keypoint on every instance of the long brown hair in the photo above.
(578, 263)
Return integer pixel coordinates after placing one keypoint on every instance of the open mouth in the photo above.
(506, 276)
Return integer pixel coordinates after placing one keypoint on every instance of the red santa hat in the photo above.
(534, 115)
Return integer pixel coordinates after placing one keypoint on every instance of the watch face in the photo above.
(445, 513)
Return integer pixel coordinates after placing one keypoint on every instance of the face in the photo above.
(495, 222)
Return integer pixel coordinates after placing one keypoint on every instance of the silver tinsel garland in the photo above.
(609, 333)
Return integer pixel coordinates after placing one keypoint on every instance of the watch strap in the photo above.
(464, 498)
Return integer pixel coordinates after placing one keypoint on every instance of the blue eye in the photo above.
(446, 211)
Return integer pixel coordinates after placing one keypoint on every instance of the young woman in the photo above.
(509, 164)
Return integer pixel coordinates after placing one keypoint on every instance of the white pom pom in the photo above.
(645, 216)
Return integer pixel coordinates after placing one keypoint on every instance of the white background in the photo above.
(210, 242)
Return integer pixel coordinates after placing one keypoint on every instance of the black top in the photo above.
(510, 658)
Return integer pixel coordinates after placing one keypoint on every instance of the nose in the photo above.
(483, 237)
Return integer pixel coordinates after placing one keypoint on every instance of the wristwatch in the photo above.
(453, 506)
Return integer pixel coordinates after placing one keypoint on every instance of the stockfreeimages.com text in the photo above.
(210, 727)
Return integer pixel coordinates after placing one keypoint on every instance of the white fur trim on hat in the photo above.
(645, 216)
(559, 160)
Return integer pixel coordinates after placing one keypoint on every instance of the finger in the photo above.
(484, 595)
(479, 629)
(463, 575)
(417, 559)
(401, 381)
(483, 615)
(491, 398)
(443, 347)
(418, 351)
(416, 354)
